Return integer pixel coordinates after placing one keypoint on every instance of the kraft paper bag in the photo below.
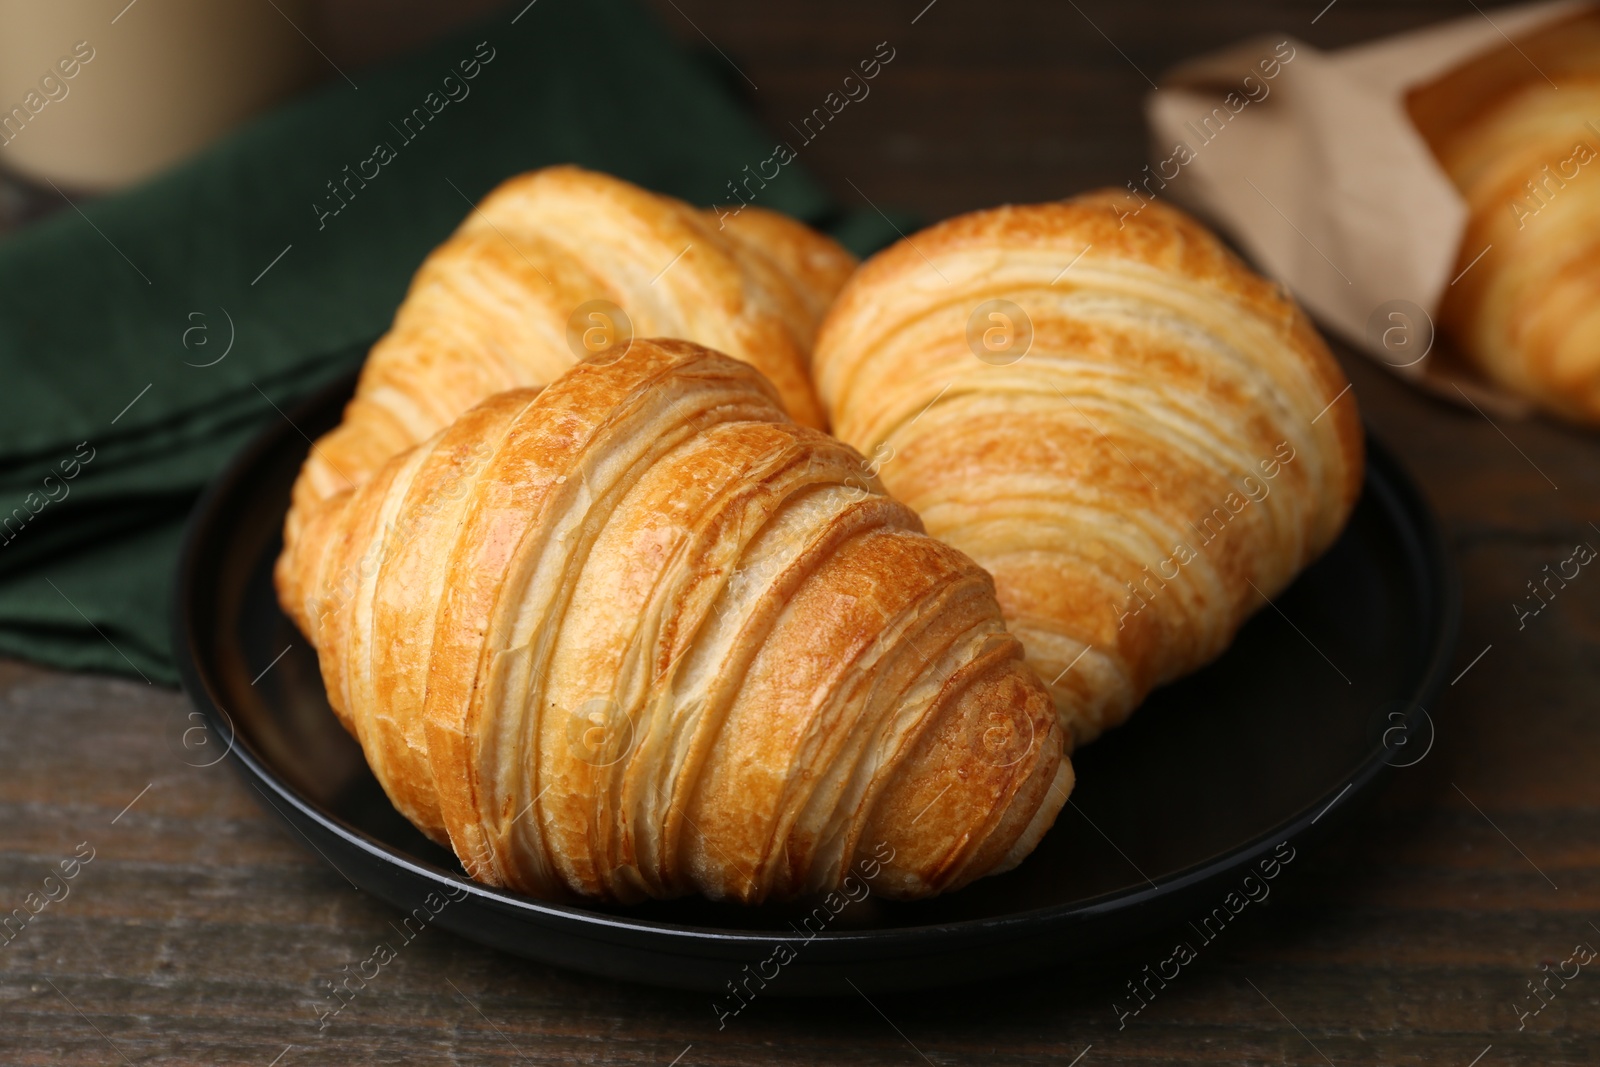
(1310, 162)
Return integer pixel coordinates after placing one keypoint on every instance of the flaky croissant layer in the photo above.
(557, 264)
(1139, 438)
(641, 635)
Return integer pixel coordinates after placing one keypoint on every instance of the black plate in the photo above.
(1304, 715)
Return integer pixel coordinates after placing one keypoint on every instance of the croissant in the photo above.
(1139, 438)
(639, 634)
(1525, 303)
(560, 263)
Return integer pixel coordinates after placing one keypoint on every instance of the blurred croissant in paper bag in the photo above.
(1516, 131)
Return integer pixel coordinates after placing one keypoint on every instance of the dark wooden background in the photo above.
(200, 930)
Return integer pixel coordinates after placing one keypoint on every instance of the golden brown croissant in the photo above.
(639, 634)
(1138, 437)
(531, 280)
(1525, 155)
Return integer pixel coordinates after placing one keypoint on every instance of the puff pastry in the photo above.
(639, 634)
(1525, 154)
(1163, 446)
(501, 305)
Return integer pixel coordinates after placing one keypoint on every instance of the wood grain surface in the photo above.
(202, 932)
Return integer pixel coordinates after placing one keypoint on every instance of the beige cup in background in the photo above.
(161, 79)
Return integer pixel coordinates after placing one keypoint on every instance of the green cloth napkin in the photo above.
(111, 311)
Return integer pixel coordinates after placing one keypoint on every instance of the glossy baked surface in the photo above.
(1139, 437)
(639, 635)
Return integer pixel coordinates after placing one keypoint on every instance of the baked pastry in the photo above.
(1525, 303)
(639, 634)
(531, 281)
(1138, 437)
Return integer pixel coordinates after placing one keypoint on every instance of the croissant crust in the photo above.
(639, 634)
(532, 281)
(1145, 445)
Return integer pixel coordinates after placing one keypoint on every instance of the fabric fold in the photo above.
(162, 327)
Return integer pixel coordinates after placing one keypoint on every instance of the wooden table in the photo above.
(201, 930)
